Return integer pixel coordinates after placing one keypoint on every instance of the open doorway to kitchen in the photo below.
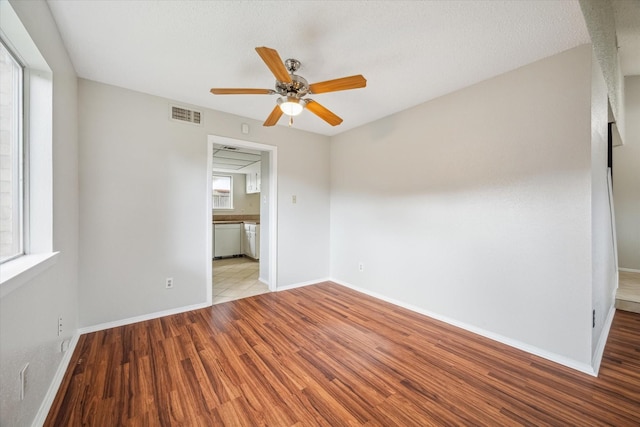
(242, 217)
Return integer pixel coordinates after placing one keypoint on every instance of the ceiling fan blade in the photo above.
(240, 91)
(275, 64)
(323, 113)
(345, 83)
(273, 118)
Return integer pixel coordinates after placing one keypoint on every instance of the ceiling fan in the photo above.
(292, 89)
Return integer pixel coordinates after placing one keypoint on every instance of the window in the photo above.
(11, 156)
(26, 211)
(222, 192)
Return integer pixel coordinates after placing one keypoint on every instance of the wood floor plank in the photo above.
(325, 355)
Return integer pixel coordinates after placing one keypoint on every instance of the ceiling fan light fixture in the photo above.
(291, 106)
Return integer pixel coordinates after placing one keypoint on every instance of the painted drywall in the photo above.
(243, 203)
(29, 314)
(265, 216)
(603, 264)
(626, 181)
(143, 197)
(476, 206)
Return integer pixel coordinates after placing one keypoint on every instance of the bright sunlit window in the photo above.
(222, 192)
(11, 156)
(26, 155)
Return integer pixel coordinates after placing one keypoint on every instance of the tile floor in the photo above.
(629, 286)
(628, 293)
(236, 278)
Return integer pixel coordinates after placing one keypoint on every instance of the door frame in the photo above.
(272, 204)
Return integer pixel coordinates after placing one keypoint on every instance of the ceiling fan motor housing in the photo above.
(298, 87)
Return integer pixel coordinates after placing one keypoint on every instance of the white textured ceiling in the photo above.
(409, 51)
(627, 17)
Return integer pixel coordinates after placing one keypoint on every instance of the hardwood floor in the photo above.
(326, 355)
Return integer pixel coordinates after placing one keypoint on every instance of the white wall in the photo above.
(603, 265)
(143, 191)
(476, 207)
(265, 216)
(28, 315)
(243, 203)
(626, 181)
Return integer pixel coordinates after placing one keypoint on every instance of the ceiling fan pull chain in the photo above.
(290, 121)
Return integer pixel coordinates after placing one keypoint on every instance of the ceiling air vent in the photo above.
(185, 115)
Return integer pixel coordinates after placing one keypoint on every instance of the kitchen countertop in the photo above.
(236, 222)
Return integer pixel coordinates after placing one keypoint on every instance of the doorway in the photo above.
(267, 198)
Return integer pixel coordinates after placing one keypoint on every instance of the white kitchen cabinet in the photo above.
(253, 182)
(250, 181)
(226, 238)
(257, 242)
(251, 240)
(245, 240)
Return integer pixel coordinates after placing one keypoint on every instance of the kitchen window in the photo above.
(11, 156)
(222, 192)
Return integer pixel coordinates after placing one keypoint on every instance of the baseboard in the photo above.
(142, 318)
(629, 270)
(301, 284)
(45, 406)
(602, 341)
(556, 358)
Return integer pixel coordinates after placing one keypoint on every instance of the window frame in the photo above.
(37, 133)
(19, 163)
(213, 190)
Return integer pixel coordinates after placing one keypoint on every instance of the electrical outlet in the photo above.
(59, 325)
(294, 199)
(23, 381)
(361, 266)
(169, 283)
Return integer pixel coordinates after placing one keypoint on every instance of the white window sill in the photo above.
(19, 271)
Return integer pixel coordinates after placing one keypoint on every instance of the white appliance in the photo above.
(226, 240)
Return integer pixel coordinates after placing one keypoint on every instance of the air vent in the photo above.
(185, 115)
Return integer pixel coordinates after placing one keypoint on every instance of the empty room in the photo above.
(300, 213)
